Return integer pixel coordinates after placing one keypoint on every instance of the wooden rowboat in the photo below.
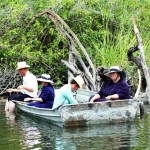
(86, 113)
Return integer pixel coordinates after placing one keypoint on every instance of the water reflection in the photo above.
(43, 134)
(37, 134)
(106, 137)
(32, 136)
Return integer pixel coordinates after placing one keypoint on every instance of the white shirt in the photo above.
(29, 80)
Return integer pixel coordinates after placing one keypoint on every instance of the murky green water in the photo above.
(26, 132)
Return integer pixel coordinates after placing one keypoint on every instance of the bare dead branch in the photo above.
(8, 79)
(59, 23)
(142, 58)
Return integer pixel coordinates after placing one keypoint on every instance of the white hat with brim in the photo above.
(45, 78)
(79, 81)
(113, 69)
(21, 65)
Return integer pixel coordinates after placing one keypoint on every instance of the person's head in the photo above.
(114, 73)
(76, 83)
(22, 67)
(45, 80)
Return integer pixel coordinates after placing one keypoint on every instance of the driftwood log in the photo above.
(140, 62)
(137, 62)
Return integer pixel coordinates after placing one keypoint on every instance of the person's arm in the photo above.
(112, 97)
(69, 95)
(33, 99)
(20, 87)
(96, 96)
(100, 93)
(13, 90)
(71, 99)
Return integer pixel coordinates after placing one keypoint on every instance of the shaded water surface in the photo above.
(27, 132)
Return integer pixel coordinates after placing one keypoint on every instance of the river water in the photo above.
(30, 133)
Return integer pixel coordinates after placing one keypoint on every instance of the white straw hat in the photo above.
(21, 65)
(45, 78)
(113, 69)
(79, 81)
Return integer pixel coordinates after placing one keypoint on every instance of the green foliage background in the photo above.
(104, 27)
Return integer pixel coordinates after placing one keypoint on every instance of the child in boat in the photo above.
(114, 88)
(47, 95)
(64, 95)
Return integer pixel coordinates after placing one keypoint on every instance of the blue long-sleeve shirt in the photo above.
(109, 88)
(47, 95)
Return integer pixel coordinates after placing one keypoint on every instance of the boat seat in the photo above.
(82, 95)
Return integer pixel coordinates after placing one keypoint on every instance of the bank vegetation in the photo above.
(104, 29)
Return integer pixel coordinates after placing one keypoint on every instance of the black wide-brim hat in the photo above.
(113, 69)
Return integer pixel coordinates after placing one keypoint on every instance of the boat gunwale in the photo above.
(71, 105)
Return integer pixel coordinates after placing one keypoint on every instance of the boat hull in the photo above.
(49, 114)
(98, 113)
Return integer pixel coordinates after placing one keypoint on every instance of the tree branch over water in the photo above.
(89, 71)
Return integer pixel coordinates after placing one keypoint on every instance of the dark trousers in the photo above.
(18, 97)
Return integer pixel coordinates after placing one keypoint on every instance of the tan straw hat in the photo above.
(21, 65)
(45, 78)
(79, 81)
